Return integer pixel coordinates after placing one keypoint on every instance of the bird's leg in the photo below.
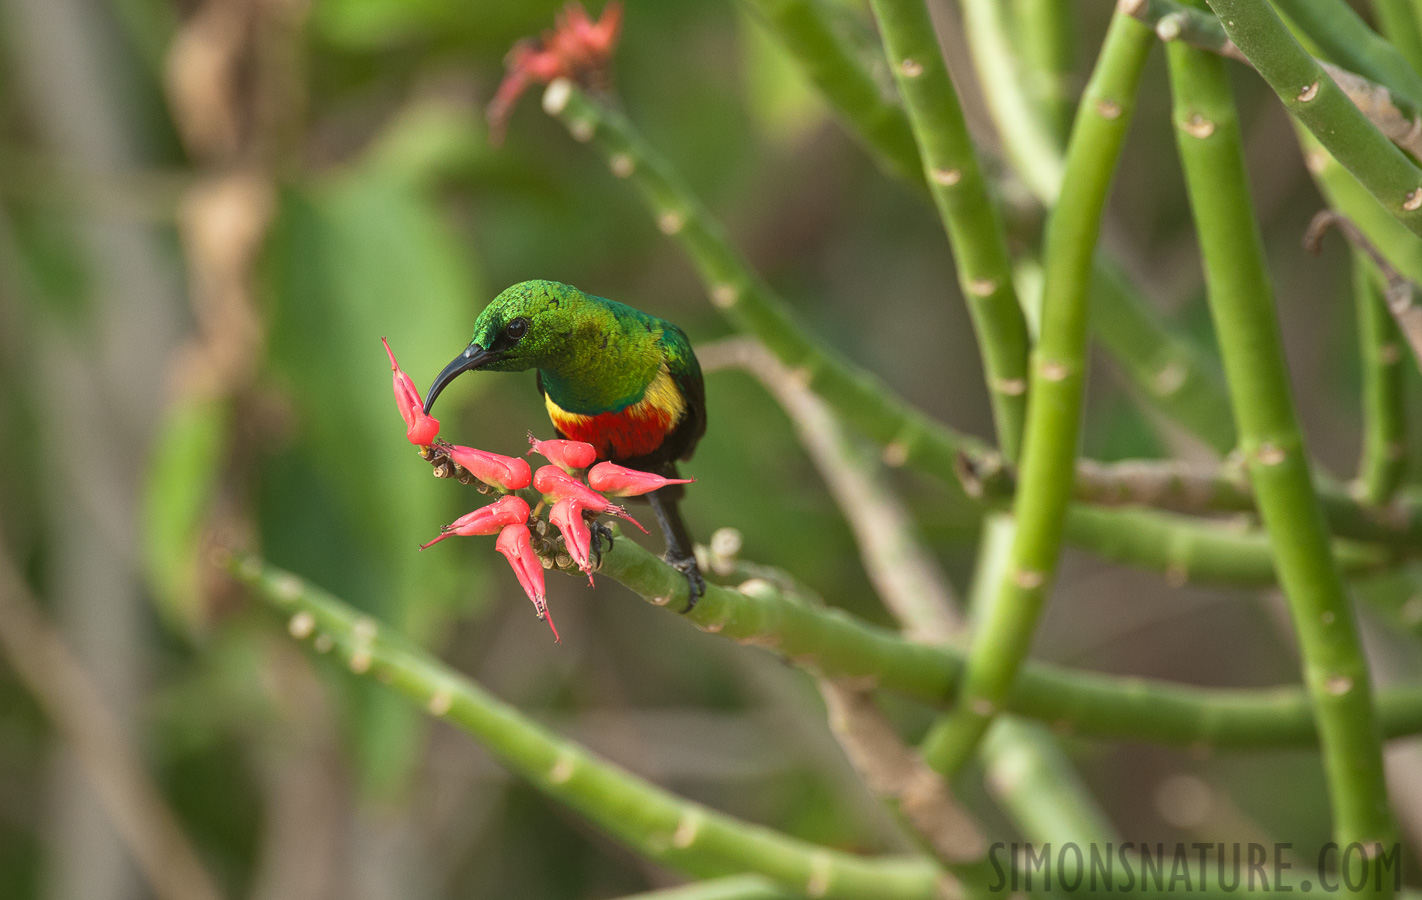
(601, 541)
(680, 553)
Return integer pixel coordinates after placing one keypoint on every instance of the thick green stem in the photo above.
(1058, 382)
(1027, 140)
(1396, 116)
(1178, 380)
(1075, 702)
(1158, 485)
(1046, 39)
(1346, 39)
(1026, 768)
(833, 65)
(1190, 551)
(1155, 359)
(1399, 24)
(1343, 192)
(1384, 455)
(1241, 302)
(1029, 773)
(655, 823)
(960, 193)
(858, 398)
(1317, 101)
(731, 887)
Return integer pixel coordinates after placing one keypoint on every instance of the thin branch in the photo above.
(1382, 463)
(959, 191)
(903, 574)
(1320, 104)
(1057, 386)
(1241, 304)
(1401, 294)
(1396, 116)
(761, 613)
(858, 398)
(892, 770)
(655, 823)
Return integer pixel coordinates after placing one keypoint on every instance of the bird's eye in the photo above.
(517, 328)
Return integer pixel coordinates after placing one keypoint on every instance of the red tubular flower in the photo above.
(579, 41)
(524, 65)
(567, 517)
(556, 485)
(570, 456)
(491, 519)
(507, 472)
(576, 48)
(620, 481)
(517, 547)
(420, 429)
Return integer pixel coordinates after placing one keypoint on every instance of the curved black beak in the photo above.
(473, 357)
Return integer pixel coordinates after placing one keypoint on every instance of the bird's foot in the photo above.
(601, 543)
(696, 585)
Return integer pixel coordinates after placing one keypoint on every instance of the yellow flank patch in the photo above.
(662, 395)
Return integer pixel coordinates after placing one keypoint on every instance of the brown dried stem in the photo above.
(1401, 293)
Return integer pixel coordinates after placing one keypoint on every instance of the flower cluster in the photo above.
(525, 538)
(576, 48)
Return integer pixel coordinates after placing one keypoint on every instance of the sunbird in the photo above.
(622, 380)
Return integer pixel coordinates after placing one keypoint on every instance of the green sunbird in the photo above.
(622, 380)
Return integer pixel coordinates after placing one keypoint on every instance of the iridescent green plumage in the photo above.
(615, 377)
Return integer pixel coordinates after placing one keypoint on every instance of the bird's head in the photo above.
(522, 329)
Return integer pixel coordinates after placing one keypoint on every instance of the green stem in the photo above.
(651, 821)
(1146, 349)
(1343, 192)
(1075, 702)
(1027, 140)
(1046, 33)
(1029, 773)
(1026, 768)
(833, 65)
(1335, 670)
(1058, 381)
(1399, 24)
(1192, 551)
(1317, 101)
(1087, 704)
(732, 887)
(1380, 352)
(1155, 485)
(1177, 378)
(1347, 40)
(858, 398)
(959, 191)
(1397, 117)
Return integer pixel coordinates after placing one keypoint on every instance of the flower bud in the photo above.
(556, 485)
(570, 456)
(491, 519)
(420, 429)
(567, 517)
(620, 481)
(517, 548)
(507, 472)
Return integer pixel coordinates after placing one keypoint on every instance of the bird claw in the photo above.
(601, 534)
(695, 583)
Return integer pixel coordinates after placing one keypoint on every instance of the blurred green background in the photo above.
(141, 421)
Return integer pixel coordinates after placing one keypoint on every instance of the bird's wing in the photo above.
(686, 374)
